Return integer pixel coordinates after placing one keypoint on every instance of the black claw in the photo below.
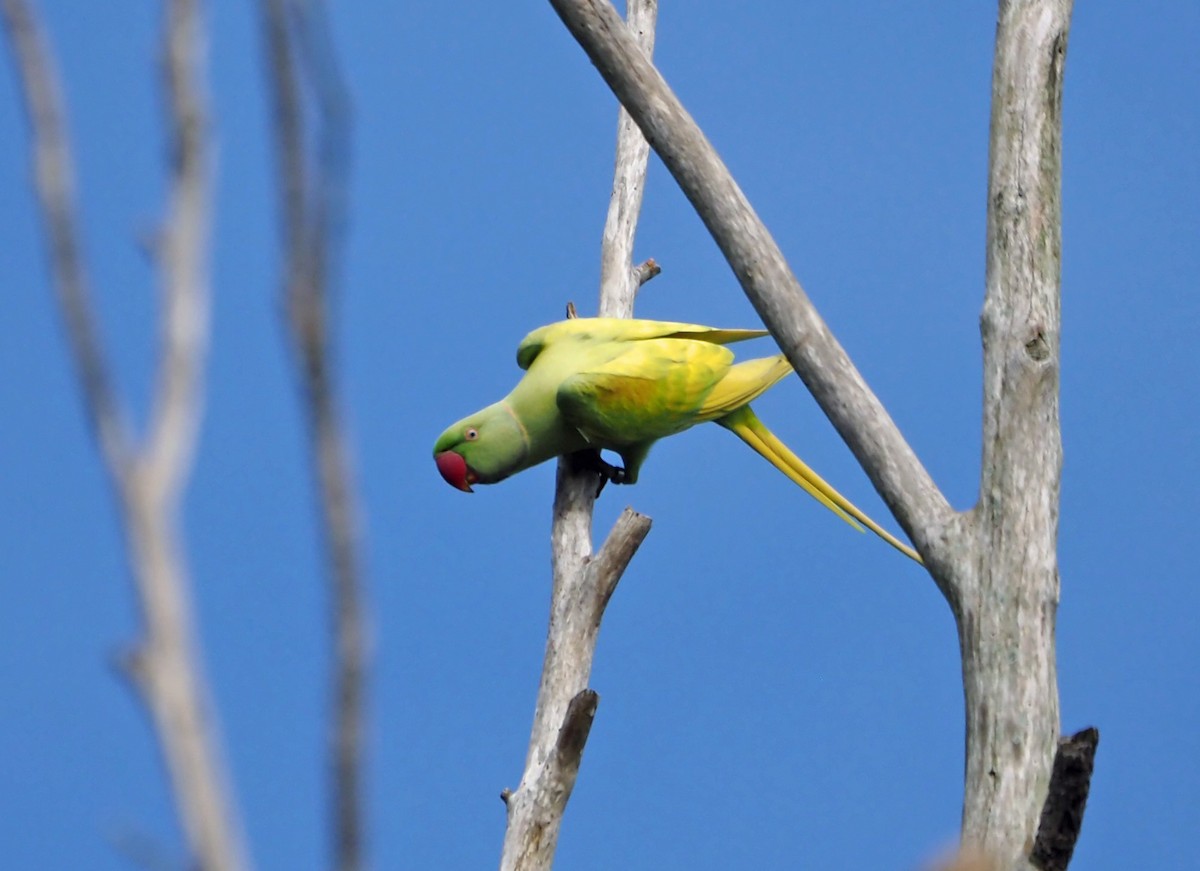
(591, 461)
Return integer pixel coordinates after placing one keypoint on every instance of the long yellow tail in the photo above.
(745, 425)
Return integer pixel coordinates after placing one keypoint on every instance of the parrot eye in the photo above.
(471, 434)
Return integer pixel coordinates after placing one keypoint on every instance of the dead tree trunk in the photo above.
(996, 563)
(1005, 556)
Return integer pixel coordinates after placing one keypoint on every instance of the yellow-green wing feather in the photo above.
(648, 390)
(595, 330)
(742, 384)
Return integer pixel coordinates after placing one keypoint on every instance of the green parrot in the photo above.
(621, 385)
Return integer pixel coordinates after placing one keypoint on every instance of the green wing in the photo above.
(742, 384)
(654, 388)
(659, 387)
(599, 330)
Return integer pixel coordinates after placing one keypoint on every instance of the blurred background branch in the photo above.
(312, 129)
(165, 665)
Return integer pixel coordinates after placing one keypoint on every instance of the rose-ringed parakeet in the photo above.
(621, 385)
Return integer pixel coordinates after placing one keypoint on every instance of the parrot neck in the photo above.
(504, 406)
(534, 412)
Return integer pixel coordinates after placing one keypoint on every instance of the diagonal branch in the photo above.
(165, 666)
(313, 191)
(763, 272)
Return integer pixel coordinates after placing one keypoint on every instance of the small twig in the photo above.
(607, 566)
(313, 192)
(645, 271)
(1062, 814)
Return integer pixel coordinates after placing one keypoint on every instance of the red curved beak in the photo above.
(454, 469)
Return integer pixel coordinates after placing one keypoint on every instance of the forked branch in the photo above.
(165, 666)
(996, 564)
(582, 583)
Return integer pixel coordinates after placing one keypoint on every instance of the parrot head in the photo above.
(484, 448)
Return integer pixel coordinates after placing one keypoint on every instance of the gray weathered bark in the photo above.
(565, 707)
(995, 564)
(582, 584)
(1007, 558)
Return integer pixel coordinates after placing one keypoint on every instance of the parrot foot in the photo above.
(591, 461)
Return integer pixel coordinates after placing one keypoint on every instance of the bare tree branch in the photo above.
(54, 182)
(582, 584)
(313, 191)
(619, 279)
(179, 392)
(646, 270)
(996, 564)
(763, 271)
(580, 594)
(165, 667)
(543, 799)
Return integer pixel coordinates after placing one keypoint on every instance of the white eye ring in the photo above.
(471, 434)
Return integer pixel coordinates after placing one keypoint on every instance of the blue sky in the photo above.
(776, 691)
